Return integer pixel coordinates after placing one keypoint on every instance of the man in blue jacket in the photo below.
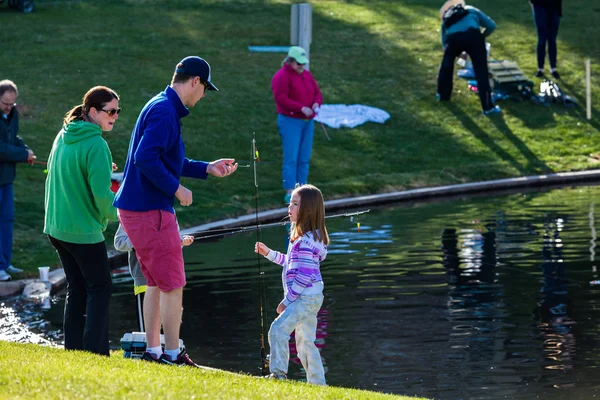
(12, 151)
(155, 162)
(461, 31)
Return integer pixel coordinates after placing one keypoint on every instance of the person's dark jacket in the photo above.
(12, 148)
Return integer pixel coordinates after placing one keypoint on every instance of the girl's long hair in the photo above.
(311, 215)
(96, 97)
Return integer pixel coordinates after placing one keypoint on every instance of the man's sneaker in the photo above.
(493, 110)
(287, 197)
(539, 74)
(555, 74)
(183, 359)
(149, 357)
(4, 277)
(273, 375)
(13, 270)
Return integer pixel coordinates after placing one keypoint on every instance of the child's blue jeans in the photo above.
(301, 316)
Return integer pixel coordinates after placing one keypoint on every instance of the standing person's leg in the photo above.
(92, 260)
(446, 71)
(290, 133)
(155, 237)
(75, 301)
(7, 217)
(553, 22)
(152, 317)
(280, 331)
(306, 334)
(141, 230)
(539, 16)
(140, 311)
(478, 54)
(171, 303)
(279, 340)
(96, 273)
(305, 152)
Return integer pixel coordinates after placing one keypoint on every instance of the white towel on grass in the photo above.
(342, 115)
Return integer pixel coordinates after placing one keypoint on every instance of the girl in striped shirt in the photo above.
(302, 285)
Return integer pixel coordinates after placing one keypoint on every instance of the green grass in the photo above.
(379, 53)
(49, 373)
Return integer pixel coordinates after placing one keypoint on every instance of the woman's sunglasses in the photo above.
(112, 112)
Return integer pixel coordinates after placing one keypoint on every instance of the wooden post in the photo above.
(588, 89)
(301, 27)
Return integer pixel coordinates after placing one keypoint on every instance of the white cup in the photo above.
(44, 273)
(47, 304)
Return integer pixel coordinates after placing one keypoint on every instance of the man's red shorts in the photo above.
(155, 238)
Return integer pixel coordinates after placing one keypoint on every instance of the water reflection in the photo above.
(483, 298)
(553, 311)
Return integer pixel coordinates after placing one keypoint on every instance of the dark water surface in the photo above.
(485, 298)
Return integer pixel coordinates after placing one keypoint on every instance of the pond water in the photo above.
(475, 298)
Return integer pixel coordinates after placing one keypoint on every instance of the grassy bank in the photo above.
(38, 372)
(379, 53)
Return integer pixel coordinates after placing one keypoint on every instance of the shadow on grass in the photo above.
(485, 139)
(579, 110)
(534, 162)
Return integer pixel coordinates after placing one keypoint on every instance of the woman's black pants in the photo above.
(89, 287)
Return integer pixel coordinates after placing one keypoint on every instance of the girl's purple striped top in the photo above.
(301, 267)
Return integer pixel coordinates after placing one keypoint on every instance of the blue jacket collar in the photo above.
(182, 111)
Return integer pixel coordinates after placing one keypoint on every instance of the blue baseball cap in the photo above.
(196, 66)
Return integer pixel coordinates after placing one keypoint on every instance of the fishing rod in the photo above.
(243, 229)
(261, 281)
(254, 157)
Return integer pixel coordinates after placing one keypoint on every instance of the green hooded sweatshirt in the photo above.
(78, 199)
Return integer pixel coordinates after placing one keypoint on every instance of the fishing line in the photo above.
(212, 233)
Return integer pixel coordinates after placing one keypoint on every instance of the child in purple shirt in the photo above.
(302, 285)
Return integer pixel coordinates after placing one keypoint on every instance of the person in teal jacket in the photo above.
(465, 29)
(78, 204)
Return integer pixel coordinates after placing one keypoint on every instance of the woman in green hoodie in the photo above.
(78, 204)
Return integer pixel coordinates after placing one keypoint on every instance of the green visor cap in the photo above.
(298, 54)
